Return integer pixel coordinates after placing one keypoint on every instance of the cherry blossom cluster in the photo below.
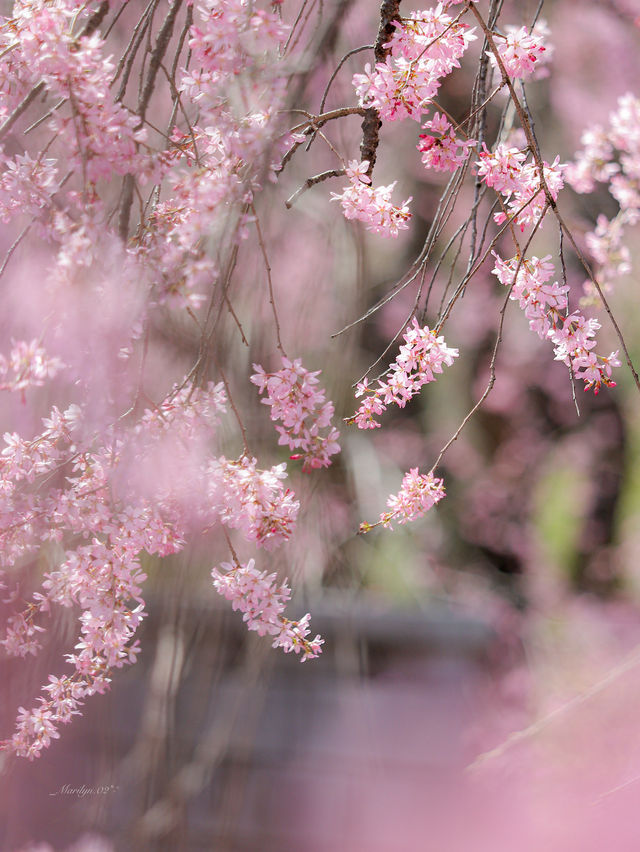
(518, 181)
(572, 335)
(26, 186)
(253, 501)
(192, 486)
(300, 405)
(100, 135)
(121, 500)
(128, 490)
(102, 535)
(28, 365)
(521, 52)
(372, 206)
(420, 357)
(418, 493)
(262, 602)
(611, 155)
(445, 152)
(94, 497)
(238, 87)
(227, 37)
(23, 460)
(22, 634)
(101, 578)
(607, 248)
(424, 48)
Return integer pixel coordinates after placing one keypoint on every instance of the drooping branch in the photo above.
(526, 125)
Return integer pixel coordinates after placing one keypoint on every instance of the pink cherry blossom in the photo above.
(419, 492)
(28, 365)
(519, 183)
(293, 395)
(422, 355)
(519, 51)
(253, 501)
(424, 48)
(262, 603)
(611, 155)
(446, 152)
(372, 206)
(573, 335)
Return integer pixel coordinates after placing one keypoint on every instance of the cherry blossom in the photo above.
(418, 493)
(27, 365)
(26, 186)
(262, 603)
(420, 358)
(506, 170)
(296, 400)
(253, 501)
(611, 155)
(573, 336)
(372, 206)
(446, 152)
(105, 518)
(101, 135)
(424, 48)
(519, 51)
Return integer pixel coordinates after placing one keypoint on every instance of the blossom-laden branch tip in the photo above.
(372, 206)
(262, 603)
(418, 493)
(420, 359)
(545, 305)
(301, 407)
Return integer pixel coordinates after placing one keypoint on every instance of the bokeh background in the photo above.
(480, 683)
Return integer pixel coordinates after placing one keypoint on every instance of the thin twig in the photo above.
(312, 181)
(632, 661)
(267, 266)
(337, 69)
(13, 247)
(243, 431)
(564, 282)
(492, 366)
